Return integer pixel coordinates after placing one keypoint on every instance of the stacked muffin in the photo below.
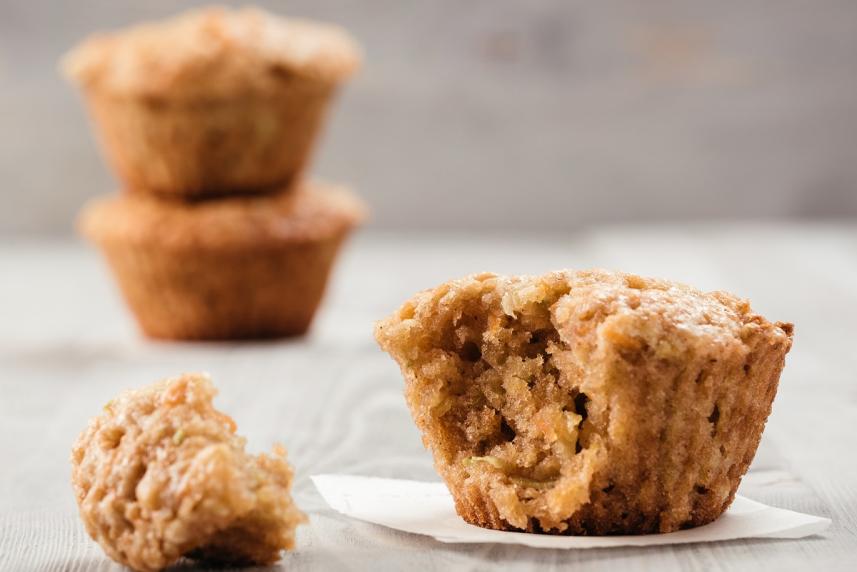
(209, 120)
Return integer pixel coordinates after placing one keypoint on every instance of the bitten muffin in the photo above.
(161, 475)
(213, 101)
(587, 402)
(250, 267)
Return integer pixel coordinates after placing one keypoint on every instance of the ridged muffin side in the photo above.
(254, 267)
(587, 402)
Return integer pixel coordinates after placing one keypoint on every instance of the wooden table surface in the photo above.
(67, 346)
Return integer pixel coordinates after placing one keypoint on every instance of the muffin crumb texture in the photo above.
(161, 475)
(587, 402)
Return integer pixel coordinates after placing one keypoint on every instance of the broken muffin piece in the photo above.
(587, 402)
(161, 475)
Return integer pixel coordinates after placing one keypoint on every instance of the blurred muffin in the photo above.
(247, 267)
(161, 474)
(213, 101)
(587, 402)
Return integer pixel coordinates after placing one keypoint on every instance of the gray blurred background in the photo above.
(506, 114)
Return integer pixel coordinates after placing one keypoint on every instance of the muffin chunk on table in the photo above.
(587, 402)
(161, 475)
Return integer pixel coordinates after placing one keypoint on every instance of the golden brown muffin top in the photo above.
(633, 309)
(312, 211)
(212, 52)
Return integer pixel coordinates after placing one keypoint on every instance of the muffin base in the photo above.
(602, 517)
(225, 294)
(200, 148)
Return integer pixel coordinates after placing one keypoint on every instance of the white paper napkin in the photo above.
(427, 508)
